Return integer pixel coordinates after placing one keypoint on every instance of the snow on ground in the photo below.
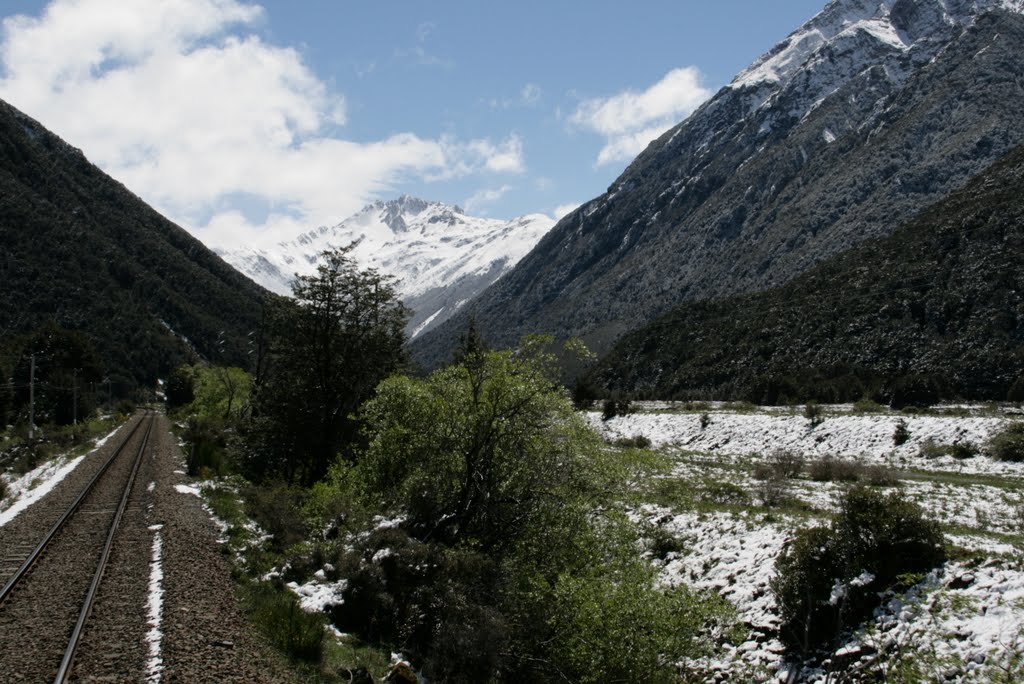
(25, 490)
(869, 437)
(964, 623)
(154, 609)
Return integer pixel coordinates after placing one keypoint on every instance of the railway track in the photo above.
(46, 603)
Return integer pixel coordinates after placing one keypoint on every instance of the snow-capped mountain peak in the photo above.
(440, 257)
(894, 33)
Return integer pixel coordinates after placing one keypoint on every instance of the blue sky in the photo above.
(247, 121)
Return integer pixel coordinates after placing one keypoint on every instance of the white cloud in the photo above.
(185, 104)
(563, 210)
(630, 120)
(481, 198)
(530, 94)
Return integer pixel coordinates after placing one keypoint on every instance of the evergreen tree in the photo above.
(328, 349)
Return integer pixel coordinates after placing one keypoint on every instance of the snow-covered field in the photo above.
(963, 623)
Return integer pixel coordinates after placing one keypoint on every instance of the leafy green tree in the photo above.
(514, 559)
(221, 392)
(327, 350)
(478, 451)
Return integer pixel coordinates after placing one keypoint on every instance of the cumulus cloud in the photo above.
(183, 102)
(630, 120)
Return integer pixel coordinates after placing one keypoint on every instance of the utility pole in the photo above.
(74, 396)
(32, 398)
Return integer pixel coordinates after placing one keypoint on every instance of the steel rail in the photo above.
(72, 509)
(76, 635)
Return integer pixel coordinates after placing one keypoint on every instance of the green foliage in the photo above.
(1008, 444)
(869, 545)
(507, 538)
(481, 451)
(328, 349)
(867, 406)
(614, 626)
(220, 392)
(276, 612)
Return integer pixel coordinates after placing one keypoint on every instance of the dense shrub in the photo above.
(828, 579)
(1008, 444)
(829, 469)
(277, 509)
(634, 442)
(900, 434)
(620, 628)
(960, 450)
(867, 406)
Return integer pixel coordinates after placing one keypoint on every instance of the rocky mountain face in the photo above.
(79, 250)
(441, 257)
(860, 119)
(936, 308)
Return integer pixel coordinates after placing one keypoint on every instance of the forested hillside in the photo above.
(78, 250)
(935, 311)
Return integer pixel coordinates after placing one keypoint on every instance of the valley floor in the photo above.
(721, 523)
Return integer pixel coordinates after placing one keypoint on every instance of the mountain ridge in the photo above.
(757, 185)
(440, 256)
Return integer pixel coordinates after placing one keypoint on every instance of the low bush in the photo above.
(829, 469)
(615, 407)
(960, 450)
(277, 509)
(278, 616)
(705, 420)
(619, 627)
(828, 579)
(634, 442)
(1008, 444)
(868, 406)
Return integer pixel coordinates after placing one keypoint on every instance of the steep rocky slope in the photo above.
(861, 118)
(936, 308)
